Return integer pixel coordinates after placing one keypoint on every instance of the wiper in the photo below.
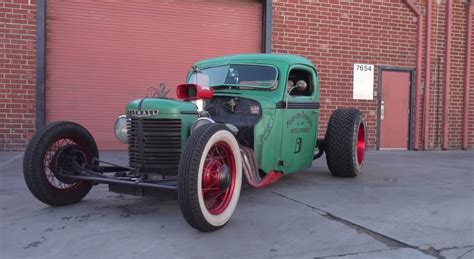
(226, 87)
(241, 87)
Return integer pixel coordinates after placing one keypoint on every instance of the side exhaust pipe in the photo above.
(251, 170)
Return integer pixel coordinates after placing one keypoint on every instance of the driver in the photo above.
(300, 87)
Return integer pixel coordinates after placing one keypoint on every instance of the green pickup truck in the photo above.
(252, 117)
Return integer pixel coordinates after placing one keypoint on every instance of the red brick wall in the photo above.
(335, 34)
(17, 73)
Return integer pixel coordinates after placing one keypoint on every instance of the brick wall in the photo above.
(17, 73)
(335, 34)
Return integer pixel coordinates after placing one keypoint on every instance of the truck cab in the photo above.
(272, 99)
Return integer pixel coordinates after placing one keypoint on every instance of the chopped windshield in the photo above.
(237, 75)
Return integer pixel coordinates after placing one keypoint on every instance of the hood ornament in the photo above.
(161, 92)
(232, 103)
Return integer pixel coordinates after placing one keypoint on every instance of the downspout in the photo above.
(267, 26)
(419, 54)
(467, 78)
(447, 73)
(426, 100)
(40, 119)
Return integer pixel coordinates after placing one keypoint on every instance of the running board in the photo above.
(251, 172)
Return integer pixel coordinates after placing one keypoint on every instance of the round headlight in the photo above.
(120, 129)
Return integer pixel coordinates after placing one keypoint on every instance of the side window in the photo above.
(300, 83)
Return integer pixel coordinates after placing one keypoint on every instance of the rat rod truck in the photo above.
(252, 116)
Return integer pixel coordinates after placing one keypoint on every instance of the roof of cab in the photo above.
(255, 58)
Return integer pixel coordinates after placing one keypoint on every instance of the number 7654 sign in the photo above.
(361, 67)
(363, 82)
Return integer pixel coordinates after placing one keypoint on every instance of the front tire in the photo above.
(209, 177)
(44, 159)
(345, 143)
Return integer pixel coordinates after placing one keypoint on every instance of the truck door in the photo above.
(300, 119)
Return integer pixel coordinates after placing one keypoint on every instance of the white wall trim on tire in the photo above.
(221, 219)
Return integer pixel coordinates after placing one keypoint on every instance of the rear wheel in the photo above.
(50, 153)
(209, 177)
(345, 143)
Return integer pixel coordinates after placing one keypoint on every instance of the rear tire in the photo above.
(42, 157)
(209, 177)
(345, 143)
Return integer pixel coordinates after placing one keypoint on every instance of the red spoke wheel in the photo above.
(218, 178)
(210, 177)
(52, 152)
(345, 143)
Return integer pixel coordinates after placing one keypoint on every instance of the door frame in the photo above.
(411, 121)
(293, 107)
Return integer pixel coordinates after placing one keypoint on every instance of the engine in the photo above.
(241, 112)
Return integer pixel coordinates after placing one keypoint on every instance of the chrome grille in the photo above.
(154, 145)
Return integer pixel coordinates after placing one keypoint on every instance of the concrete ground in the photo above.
(404, 205)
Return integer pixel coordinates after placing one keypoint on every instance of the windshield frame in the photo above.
(240, 86)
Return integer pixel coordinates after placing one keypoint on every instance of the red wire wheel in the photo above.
(218, 178)
(209, 177)
(52, 164)
(51, 152)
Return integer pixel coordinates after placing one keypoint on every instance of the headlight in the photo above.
(120, 129)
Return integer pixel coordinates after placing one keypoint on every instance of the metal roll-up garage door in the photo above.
(100, 55)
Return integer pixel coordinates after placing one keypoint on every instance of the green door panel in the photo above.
(299, 133)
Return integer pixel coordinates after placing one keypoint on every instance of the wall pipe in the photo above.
(267, 17)
(467, 78)
(447, 73)
(426, 100)
(40, 117)
(419, 55)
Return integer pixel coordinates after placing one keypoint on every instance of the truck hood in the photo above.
(164, 106)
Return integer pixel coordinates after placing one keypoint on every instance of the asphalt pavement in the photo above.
(405, 204)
